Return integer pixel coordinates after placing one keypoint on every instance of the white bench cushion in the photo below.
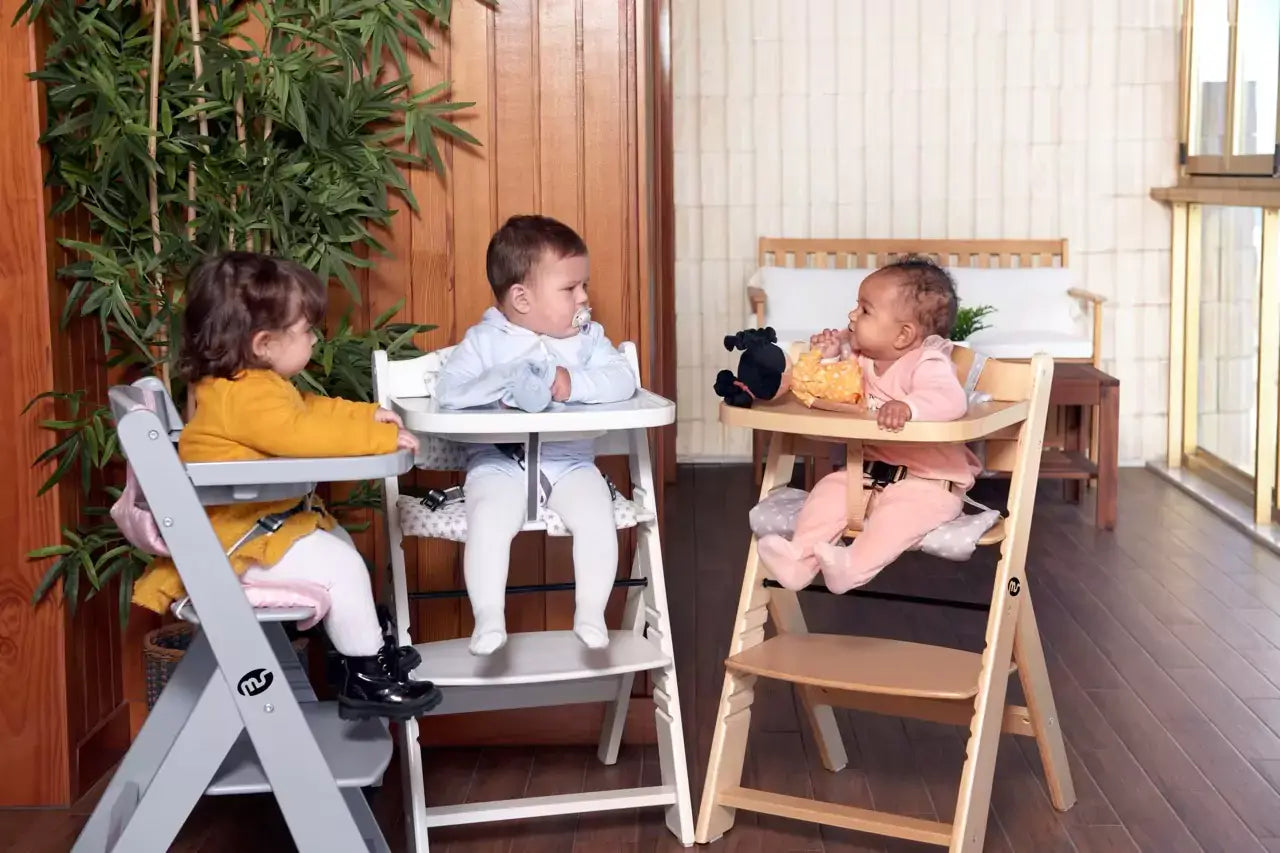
(450, 521)
(1014, 344)
(1033, 310)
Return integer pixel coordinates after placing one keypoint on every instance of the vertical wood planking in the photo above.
(556, 90)
(433, 563)
(515, 155)
(560, 178)
(33, 720)
(473, 208)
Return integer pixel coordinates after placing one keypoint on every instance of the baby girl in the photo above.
(898, 334)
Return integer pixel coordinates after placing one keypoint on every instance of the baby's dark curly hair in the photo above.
(929, 292)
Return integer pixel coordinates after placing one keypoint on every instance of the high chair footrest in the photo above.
(357, 752)
(537, 657)
(836, 814)
(450, 521)
(864, 665)
(523, 808)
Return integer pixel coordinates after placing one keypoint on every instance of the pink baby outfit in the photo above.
(898, 517)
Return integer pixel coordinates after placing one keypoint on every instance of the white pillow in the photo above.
(800, 298)
(1032, 299)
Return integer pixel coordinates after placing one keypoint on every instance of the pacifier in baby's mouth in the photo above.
(582, 317)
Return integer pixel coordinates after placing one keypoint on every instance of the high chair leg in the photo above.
(190, 763)
(141, 763)
(615, 714)
(784, 608)
(1034, 675)
(968, 830)
(412, 786)
(365, 821)
(733, 717)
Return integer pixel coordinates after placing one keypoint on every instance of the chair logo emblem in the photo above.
(1014, 588)
(254, 682)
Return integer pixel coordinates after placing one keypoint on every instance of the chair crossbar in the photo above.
(523, 808)
(567, 586)
(959, 604)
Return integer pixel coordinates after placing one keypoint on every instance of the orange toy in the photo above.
(813, 380)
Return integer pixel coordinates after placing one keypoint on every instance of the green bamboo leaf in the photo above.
(49, 551)
(386, 316)
(47, 581)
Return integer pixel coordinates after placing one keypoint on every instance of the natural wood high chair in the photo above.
(892, 677)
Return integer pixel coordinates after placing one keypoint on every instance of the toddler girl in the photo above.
(898, 333)
(247, 330)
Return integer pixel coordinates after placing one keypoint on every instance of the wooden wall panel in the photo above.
(558, 116)
(34, 737)
(557, 119)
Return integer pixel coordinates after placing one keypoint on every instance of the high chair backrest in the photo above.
(416, 377)
(1003, 381)
(130, 511)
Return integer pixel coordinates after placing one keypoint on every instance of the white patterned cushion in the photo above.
(439, 454)
(450, 521)
(953, 540)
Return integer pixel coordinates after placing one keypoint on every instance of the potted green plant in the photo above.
(175, 137)
(970, 319)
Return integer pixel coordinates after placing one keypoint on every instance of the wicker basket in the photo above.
(165, 646)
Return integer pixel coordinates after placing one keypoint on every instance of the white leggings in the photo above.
(330, 560)
(495, 513)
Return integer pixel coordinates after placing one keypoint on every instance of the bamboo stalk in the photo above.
(193, 11)
(157, 19)
(153, 191)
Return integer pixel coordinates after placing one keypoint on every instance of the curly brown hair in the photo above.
(929, 292)
(232, 296)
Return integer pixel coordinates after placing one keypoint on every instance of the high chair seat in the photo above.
(993, 535)
(187, 613)
(450, 521)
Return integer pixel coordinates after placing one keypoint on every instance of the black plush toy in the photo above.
(760, 368)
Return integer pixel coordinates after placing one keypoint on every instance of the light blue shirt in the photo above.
(479, 369)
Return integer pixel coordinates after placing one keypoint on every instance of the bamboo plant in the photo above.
(176, 129)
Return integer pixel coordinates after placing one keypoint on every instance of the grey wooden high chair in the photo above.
(238, 715)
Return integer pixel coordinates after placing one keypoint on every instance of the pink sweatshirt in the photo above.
(924, 379)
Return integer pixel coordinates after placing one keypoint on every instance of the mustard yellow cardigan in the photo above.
(257, 415)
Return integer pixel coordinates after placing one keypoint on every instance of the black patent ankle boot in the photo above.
(371, 688)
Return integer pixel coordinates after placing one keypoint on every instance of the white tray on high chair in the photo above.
(495, 423)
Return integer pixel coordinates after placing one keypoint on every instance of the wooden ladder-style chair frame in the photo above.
(892, 677)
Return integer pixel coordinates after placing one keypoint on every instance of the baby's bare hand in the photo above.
(406, 440)
(386, 416)
(562, 386)
(893, 415)
(827, 342)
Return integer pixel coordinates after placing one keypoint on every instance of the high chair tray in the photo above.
(288, 471)
(792, 416)
(423, 414)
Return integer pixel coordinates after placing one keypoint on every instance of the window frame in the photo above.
(1227, 163)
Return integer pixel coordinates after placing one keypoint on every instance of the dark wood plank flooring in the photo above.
(1163, 644)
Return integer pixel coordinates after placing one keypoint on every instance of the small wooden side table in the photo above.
(1089, 395)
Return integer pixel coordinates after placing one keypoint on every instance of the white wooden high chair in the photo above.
(892, 677)
(547, 667)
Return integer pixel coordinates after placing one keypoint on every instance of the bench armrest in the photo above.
(756, 296)
(1095, 308)
(1086, 296)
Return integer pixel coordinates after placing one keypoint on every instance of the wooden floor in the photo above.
(1163, 643)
